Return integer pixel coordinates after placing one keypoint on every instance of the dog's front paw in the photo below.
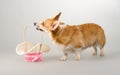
(77, 58)
(101, 54)
(94, 54)
(63, 58)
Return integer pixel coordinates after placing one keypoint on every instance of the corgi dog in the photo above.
(73, 38)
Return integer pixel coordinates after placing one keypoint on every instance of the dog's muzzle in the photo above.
(38, 28)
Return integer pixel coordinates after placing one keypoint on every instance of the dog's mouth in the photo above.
(40, 29)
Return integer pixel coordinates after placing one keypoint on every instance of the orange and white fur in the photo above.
(73, 38)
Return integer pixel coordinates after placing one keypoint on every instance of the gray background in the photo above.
(15, 14)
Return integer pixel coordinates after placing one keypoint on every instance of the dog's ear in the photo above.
(57, 16)
(55, 25)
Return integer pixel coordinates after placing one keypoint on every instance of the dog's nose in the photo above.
(34, 23)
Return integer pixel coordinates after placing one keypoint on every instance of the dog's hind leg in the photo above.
(101, 46)
(95, 50)
(101, 52)
(101, 41)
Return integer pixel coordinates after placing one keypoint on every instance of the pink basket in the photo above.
(33, 57)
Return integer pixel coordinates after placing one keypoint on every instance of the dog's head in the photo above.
(48, 24)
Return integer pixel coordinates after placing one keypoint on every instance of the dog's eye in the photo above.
(42, 23)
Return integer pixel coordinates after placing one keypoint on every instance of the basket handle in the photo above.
(25, 37)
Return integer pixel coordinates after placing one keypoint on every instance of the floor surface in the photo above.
(12, 64)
